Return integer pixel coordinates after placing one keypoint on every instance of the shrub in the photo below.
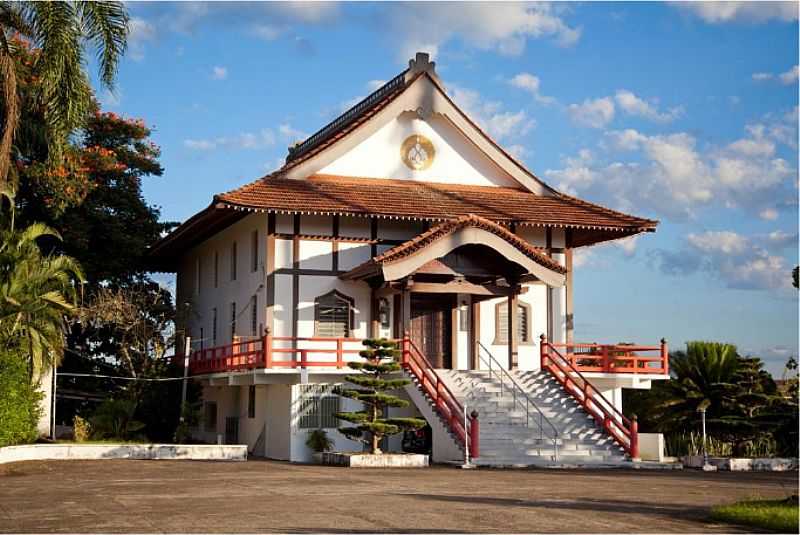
(319, 441)
(114, 419)
(81, 430)
(19, 401)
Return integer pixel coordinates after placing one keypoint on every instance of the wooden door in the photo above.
(430, 328)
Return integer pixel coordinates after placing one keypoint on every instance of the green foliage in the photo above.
(60, 33)
(81, 429)
(319, 441)
(371, 389)
(780, 516)
(114, 419)
(19, 401)
(190, 418)
(746, 414)
(37, 291)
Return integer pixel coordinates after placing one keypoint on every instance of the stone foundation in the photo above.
(368, 460)
(196, 452)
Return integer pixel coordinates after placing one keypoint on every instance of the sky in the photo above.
(686, 113)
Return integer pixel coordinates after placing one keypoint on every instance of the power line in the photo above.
(61, 374)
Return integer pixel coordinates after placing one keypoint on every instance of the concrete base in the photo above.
(194, 452)
(368, 460)
(741, 464)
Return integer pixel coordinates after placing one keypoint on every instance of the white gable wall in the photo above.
(456, 160)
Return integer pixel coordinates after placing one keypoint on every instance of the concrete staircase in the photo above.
(506, 439)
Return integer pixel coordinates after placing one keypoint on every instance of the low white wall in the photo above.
(765, 464)
(43, 452)
(651, 447)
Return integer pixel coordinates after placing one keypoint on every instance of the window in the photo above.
(251, 401)
(201, 339)
(216, 269)
(197, 276)
(254, 316)
(254, 251)
(333, 315)
(383, 312)
(214, 326)
(233, 261)
(233, 321)
(523, 323)
(318, 406)
(210, 416)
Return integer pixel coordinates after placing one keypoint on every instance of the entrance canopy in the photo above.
(467, 248)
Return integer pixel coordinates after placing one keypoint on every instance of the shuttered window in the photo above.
(523, 323)
(333, 315)
(318, 406)
(254, 316)
(233, 321)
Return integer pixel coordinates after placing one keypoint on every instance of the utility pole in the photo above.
(187, 349)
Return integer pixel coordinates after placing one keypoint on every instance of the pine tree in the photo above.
(372, 387)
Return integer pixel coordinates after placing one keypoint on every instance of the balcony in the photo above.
(286, 352)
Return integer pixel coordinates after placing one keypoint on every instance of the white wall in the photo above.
(456, 159)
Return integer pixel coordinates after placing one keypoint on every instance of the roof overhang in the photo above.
(405, 259)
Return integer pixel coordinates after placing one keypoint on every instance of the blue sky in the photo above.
(684, 113)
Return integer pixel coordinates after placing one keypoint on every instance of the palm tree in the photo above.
(702, 378)
(38, 292)
(61, 32)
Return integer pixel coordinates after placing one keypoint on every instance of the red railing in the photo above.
(275, 352)
(611, 419)
(443, 400)
(617, 358)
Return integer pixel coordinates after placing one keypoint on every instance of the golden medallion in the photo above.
(417, 152)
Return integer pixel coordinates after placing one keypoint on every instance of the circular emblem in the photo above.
(417, 152)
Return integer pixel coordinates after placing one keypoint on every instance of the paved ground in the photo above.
(187, 496)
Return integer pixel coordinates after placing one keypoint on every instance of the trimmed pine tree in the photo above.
(371, 387)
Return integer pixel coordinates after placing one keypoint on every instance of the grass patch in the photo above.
(774, 515)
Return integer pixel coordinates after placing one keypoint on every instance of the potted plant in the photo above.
(319, 441)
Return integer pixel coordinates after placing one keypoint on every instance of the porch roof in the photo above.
(397, 261)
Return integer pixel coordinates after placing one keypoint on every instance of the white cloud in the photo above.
(768, 214)
(790, 77)
(673, 176)
(374, 85)
(502, 27)
(633, 105)
(499, 124)
(219, 73)
(291, 134)
(531, 84)
(246, 140)
(140, 32)
(741, 262)
(595, 113)
(749, 12)
(786, 78)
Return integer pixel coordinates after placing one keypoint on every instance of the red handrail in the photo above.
(444, 401)
(621, 429)
(617, 358)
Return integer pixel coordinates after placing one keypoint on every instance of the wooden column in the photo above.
(513, 300)
(270, 274)
(374, 323)
(570, 293)
(295, 277)
(474, 332)
(405, 306)
(549, 291)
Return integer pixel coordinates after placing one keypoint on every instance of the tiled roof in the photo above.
(442, 230)
(349, 120)
(405, 199)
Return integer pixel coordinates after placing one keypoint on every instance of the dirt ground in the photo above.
(256, 496)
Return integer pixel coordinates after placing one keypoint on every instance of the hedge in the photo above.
(19, 401)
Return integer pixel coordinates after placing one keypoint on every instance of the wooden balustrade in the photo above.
(617, 358)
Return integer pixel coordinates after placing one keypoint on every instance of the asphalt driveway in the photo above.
(266, 496)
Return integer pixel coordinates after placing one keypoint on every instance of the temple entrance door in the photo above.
(431, 327)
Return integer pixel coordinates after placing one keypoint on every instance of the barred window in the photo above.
(214, 326)
(251, 401)
(254, 316)
(233, 321)
(333, 315)
(234, 254)
(523, 323)
(254, 251)
(318, 405)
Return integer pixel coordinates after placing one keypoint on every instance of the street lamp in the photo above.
(706, 467)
